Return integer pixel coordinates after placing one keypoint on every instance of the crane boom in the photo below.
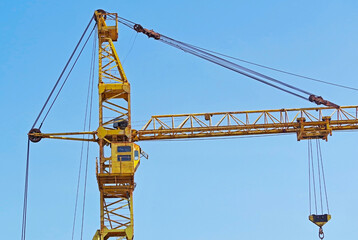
(119, 156)
(305, 122)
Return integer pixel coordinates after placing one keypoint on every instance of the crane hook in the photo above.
(321, 233)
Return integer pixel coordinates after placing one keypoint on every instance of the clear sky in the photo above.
(241, 188)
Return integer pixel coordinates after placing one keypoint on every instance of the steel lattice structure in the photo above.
(119, 156)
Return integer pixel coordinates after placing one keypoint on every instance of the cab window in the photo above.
(123, 158)
(123, 148)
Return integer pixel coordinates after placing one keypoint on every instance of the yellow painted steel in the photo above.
(320, 220)
(125, 158)
(119, 156)
(307, 123)
(115, 173)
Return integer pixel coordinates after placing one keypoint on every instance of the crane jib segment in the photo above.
(307, 123)
(119, 155)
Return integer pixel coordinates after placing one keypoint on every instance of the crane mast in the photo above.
(119, 155)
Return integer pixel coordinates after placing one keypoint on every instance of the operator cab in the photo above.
(125, 158)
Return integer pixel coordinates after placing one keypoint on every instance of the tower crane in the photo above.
(119, 153)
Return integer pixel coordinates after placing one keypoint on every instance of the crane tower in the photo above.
(119, 155)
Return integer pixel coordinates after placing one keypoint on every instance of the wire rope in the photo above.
(323, 176)
(309, 177)
(240, 67)
(318, 182)
(131, 24)
(237, 70)
(130, 49)
(319, 177)
(313, 178)
(63, 71)
(82, 144)
(24, 209)
(214, 58)
(68, 74)
(87, 155)
(278, 70)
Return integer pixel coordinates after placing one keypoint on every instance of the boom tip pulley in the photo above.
(34, 135)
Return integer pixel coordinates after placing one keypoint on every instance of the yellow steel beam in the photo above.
(115, 173)
(65, 136)
(307, 123)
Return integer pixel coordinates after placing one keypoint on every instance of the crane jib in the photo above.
(119, 155)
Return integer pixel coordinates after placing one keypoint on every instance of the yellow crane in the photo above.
(119, 155)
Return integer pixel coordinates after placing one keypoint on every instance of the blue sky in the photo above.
(247, 188)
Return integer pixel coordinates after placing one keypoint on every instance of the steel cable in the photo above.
(87, 155)
(24, 209)
(309, 178)
(191, 49)
(84, 129)
(63, 71)
(68, 74)
(319, 183)
(210, 56)
(238, 66)
(234, 69)
(323, 176)
(277, 70)
(313, 175)
(319, 176)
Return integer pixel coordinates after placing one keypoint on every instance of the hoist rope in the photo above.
(317, 186)
(84, 129)
(130, 49)
(88, 143)
(63, 71)
(319, 176)
(309, 177)
(323, 176)
(24, 209)
(313, 174)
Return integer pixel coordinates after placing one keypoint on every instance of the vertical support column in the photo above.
(116, 188)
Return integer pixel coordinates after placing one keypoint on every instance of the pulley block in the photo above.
(34, 138)
(320, 220)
